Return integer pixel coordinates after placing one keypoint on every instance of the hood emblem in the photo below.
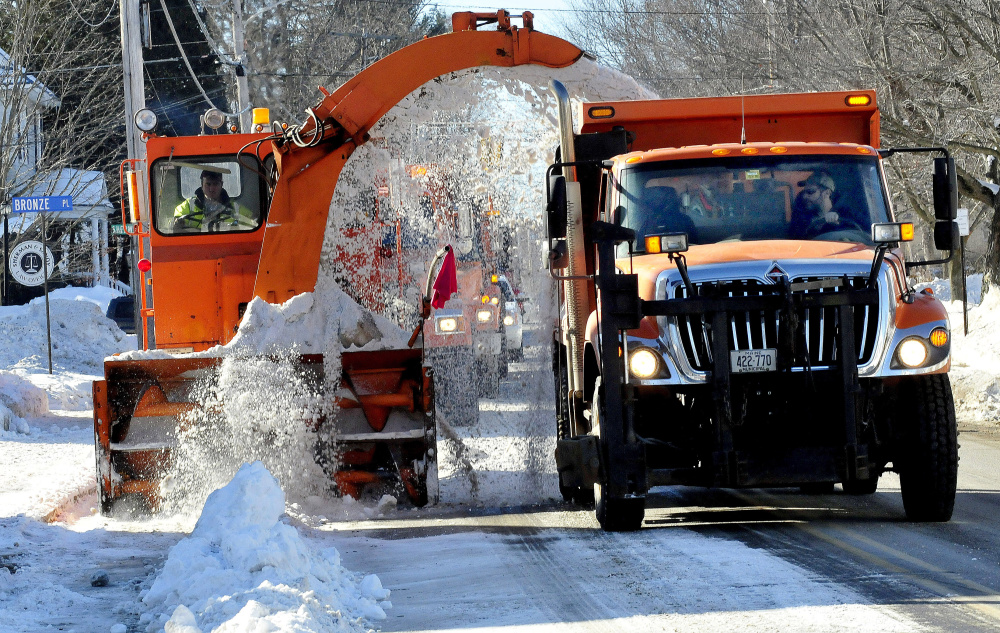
(775, 273)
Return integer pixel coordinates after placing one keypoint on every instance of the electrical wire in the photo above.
(84, 20)
(208, 37)
(187, 63)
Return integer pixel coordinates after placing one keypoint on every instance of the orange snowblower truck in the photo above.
(736, 310)
(220, 219)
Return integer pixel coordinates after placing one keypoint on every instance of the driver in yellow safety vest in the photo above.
(211, 209)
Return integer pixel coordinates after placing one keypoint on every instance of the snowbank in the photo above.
(98, 295)
(243, 569)
(81, 336)
(975, 372)
(19, 399)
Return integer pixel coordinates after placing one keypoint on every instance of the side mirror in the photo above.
(945, 189)
(556, 207)
(946, 235)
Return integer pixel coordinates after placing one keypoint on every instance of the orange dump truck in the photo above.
(220, 219)
(736, 310)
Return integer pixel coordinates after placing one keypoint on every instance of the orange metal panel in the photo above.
(924, 309)
(808, 117)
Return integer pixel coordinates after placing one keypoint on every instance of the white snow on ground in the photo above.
(243, 569)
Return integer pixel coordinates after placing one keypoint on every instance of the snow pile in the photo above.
(81, 337)
(314, 323)
(263, 403)
(975, 377)
(100, 296)
(19, 399)
(243, 569)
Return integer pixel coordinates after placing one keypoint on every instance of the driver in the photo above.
(663, 213)
(813, 208)
(211, 209)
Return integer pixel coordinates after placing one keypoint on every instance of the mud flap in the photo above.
(578, 461)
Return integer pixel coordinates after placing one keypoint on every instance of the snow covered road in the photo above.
(502, 554)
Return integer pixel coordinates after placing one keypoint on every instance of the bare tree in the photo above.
(292, 46)
(934, 68)
(61, 105)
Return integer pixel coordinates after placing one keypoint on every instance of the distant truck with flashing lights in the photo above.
(718, 329)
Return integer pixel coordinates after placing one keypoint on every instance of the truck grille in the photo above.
(759, 329)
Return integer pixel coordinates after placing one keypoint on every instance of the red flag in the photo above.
(446, 283)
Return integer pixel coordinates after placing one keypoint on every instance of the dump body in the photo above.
(753, 328)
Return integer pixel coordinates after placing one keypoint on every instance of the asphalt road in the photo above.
(705, 560)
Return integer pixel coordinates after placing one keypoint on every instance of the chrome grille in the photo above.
(759, 329)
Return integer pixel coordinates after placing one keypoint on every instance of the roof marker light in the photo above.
(721, 152)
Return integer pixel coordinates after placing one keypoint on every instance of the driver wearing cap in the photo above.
(813, 207)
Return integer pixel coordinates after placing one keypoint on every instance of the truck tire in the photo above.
(928, 468)
(615, 514)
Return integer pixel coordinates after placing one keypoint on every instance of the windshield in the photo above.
(828, 198)
(212, 195)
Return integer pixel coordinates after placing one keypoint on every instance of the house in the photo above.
(78, 239)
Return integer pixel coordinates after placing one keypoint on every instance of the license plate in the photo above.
(748, 361)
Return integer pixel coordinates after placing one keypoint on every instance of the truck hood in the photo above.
(648, 267)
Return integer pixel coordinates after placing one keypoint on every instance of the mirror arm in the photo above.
(877, 264)
(681, 263)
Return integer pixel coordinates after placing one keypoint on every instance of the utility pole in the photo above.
(242, 89)
(135, 98)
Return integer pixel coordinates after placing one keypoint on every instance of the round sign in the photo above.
(26, 263)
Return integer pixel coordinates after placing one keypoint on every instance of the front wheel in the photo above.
(928, 459)
(614, 513)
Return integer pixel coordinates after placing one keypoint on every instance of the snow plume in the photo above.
(462, 161)
(243, 569)
(262, 402)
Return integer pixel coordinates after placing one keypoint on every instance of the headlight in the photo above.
(448, 324)
(145, 120)
(214, 118)
(912, 352)
(484, 316)
(643, 363)
(508, 320)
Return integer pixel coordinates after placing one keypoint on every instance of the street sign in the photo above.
(35, 204)
(26, 265)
